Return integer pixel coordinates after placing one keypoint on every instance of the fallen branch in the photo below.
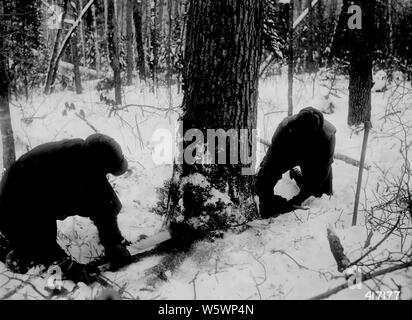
(365, 277)
(349, 160)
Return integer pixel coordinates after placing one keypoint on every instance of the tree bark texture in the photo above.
(138, 23)
(361, 62)
(6, 129)
(129, 42)
(115, 50)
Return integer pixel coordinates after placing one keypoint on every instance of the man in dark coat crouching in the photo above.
(306, 140)
(51, 182)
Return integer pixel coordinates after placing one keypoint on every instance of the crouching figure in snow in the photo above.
(51, 182)
(306, 140)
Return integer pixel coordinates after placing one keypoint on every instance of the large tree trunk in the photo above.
(138, 24)
(53, 65)
(6, 129)
(129, 42)
(115, 50)
(223, 50)
(361, 48)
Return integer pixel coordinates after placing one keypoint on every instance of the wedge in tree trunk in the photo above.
(222, 56)
(115, 50)
(129, 42)
(53, 65)
(138, 23)
(6, 129)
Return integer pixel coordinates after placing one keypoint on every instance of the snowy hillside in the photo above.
(283, 258)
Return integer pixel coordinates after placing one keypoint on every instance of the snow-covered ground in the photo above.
(283, 258)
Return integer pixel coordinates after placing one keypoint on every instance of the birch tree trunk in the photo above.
(53, 65)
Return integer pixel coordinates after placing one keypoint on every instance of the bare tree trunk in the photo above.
(96, 40)
(76, 63)
(155, 43)
(115, 50)
(129, 42)
(361, 48)
(106, 25)
(311, 51)
(290, 60)
(360, 81)
(169, 72)
(53, 65)
(7, 138)
(79, 8)
(389, 4)
(138, 23)
(221, 90)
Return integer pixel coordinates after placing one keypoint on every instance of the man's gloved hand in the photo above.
(118, 255)
(293, 204)
(77, 272)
